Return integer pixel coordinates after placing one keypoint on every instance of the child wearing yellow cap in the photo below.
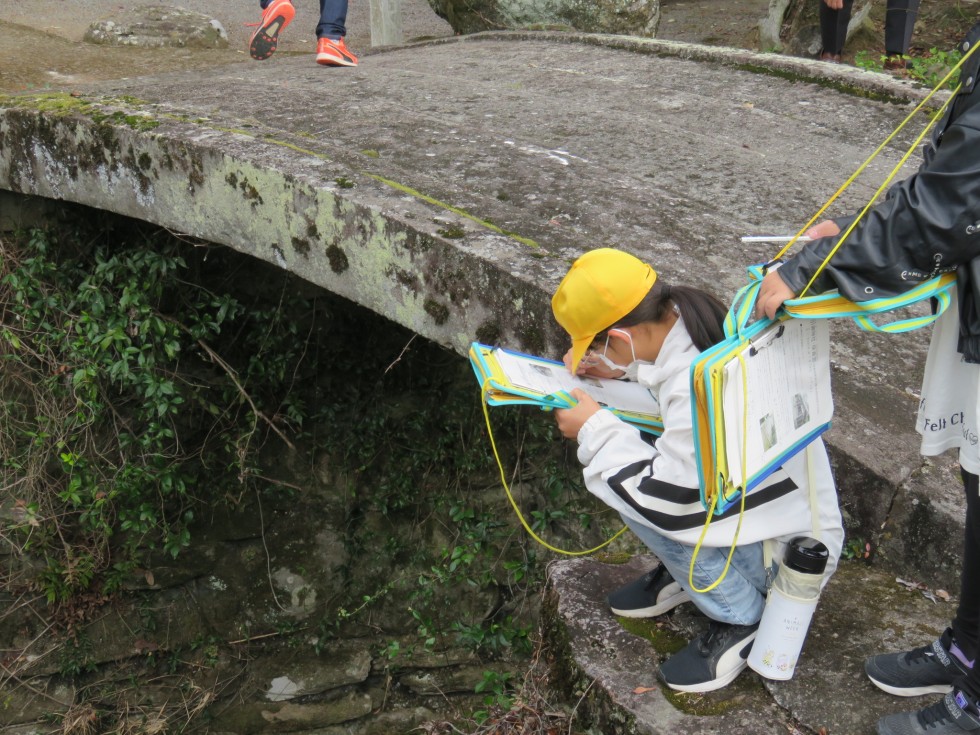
(625, 322)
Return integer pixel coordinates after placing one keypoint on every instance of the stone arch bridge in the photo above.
(448, 184)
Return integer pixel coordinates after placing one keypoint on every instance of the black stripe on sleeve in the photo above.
(668, 522)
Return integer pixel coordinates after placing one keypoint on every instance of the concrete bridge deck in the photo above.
(449, 184)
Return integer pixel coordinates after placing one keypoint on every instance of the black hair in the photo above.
(703, 314)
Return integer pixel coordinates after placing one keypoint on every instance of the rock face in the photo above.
(152, 26)
(626, 17)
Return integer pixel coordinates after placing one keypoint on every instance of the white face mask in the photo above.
(631, 369)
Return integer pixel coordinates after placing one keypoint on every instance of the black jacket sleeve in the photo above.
(928, 224)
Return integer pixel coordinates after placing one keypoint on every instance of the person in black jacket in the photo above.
(928, 224)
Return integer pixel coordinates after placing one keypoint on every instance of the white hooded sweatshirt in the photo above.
(657, 486)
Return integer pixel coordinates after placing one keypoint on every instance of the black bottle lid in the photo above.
(807, 555)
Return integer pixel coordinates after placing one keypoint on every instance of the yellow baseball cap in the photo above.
(600, 288)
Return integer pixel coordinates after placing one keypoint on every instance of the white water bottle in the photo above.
(789, 608)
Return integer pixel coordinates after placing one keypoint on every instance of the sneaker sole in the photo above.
(659, 609)
(710, 686)
(334, 61)
(911, 691)
(265, 41)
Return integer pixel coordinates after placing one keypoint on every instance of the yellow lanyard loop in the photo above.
(867, 162)
(513, 503)
(714, 498)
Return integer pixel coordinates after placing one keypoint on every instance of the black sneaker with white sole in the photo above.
(710, 661)
(930, 669)
(653, 594)
(954, 714)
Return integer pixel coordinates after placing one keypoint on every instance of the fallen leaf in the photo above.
(942, 595)
(644, 690)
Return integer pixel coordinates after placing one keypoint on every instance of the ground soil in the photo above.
(43, 47)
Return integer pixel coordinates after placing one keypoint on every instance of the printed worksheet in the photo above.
(783, 397)
(547, 377)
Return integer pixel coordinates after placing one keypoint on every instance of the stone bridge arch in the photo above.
(447, 185)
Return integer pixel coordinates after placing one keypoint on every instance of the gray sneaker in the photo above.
(711, 660)
(952, 715)
(653, 594)
(930, 669)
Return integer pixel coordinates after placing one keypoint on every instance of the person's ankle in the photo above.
(960, 656)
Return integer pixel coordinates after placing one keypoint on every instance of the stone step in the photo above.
(609, 665)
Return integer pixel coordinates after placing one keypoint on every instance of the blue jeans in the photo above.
(333, 16)
(741, 596)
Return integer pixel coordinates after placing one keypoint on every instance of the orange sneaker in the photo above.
(334, 53)
(275, 18)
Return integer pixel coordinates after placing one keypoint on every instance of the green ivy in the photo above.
(928, 69)
(142, 377)
(117, 402)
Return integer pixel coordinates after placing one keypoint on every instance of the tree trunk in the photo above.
(793, 26)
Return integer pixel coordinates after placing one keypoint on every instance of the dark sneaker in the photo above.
(275, 18)
(930, 669)
(653, 594)
(710, 661)
(952, 715)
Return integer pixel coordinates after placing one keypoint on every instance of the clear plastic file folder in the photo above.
(513, 378)
(759, 397)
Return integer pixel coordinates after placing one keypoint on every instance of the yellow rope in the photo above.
(714, 497)
(885, 142)
(510, 496)
(874, 198)
(850, 180)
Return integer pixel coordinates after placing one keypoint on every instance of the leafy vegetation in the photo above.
(143, 385)
(98, 441)
(929, 69)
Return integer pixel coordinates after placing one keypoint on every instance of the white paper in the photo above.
(547, 377)
(788, 397)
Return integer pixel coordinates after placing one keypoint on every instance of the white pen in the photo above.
(774, 238)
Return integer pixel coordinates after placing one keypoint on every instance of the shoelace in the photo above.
(704, 642)
(918, 654)
(934, 714)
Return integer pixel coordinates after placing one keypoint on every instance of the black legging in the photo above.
(966, 624)
(899, 22)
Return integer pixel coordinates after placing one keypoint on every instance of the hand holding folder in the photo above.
(510, 378)
(764, 393)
